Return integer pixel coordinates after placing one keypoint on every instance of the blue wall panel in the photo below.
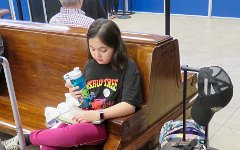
(156, 6)
(189, 7)
(4, 4)
(226, 8)
(25, 10)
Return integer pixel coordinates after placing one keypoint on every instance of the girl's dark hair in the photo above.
(109, 33)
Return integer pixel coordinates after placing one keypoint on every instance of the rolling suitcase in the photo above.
(12, 96)
(215, 90)
(176, 131)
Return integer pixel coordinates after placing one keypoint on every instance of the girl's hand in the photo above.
(87, 116)
(74, 91)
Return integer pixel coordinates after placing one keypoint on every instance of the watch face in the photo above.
(101, 115)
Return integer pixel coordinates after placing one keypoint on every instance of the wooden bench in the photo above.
(40, 54)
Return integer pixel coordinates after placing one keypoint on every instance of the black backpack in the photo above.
(1, 51)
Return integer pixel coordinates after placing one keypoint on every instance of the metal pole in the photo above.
(124, 16)
(13, 100)
(167, 17)
(131, 12)
(29, 10)
(106, 3)
(206, 136)
(12, 9)
(185, 69)
(184, 104)
(45, 11)
(126, 5)
(20, 14)
(209, 8)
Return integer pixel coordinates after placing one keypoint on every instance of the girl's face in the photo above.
(99, 51)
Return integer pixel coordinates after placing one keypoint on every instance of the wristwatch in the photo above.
(101, 115)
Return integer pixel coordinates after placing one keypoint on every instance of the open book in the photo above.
(69, 114)
(72, 112)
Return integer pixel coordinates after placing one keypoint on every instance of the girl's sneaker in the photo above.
(11, 144)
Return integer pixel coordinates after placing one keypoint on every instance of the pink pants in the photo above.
(66, 136)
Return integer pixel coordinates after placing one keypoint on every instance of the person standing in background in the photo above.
(71, 15)
(115, 6)
(108, 5)
(94, 9)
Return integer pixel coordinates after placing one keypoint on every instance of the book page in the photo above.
(67, 117)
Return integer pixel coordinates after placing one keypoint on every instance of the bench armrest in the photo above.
(129, 126)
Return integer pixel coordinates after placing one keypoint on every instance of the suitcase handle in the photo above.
(185, 69)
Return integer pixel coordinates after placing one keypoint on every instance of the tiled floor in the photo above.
(204, 42)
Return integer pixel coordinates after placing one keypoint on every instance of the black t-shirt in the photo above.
(110, 87)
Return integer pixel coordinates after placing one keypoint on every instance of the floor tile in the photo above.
(226, 139)
(220, 117)
(234, 121)
(212, 130)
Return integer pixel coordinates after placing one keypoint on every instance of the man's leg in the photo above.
(115, 5)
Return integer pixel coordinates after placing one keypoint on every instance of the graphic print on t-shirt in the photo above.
(109, 83)
(103, 91)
